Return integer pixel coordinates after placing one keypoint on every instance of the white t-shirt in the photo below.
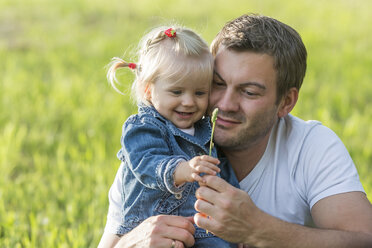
(304, 162)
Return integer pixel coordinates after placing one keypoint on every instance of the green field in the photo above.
(60, 121)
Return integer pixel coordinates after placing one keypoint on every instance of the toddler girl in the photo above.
(164, 146)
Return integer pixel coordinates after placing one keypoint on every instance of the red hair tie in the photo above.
(170, 32)
(132, 66)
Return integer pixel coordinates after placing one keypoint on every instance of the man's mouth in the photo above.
(226, 122)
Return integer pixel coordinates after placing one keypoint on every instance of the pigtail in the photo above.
(156, 60)
(115, 64)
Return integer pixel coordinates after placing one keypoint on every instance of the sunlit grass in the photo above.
(60, 122)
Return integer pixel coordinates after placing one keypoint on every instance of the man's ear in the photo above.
(288, 102)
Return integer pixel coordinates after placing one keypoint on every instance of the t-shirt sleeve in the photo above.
(114, 215)
(327, 166)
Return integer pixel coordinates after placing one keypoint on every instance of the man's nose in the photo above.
(229, 102)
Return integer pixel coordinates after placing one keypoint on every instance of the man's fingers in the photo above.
(175, 228)
(205, 207)
(204, 192)
(216, 183)
(178, 221)
(191, 219)
(204, 221)
(178, 244)
(181, 235)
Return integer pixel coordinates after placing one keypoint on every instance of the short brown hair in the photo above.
(264, 34)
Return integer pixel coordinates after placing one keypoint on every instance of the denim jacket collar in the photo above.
(202, 127)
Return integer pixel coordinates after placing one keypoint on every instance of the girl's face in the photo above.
(184, 102)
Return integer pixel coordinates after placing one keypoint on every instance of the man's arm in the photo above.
(155, 232)
(343, 220)
(108, 240)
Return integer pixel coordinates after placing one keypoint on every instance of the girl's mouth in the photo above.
(185, 114)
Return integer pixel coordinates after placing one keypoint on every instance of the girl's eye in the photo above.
(200, 93)
(176, 92)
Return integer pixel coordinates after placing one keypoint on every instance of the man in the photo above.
(299, 186)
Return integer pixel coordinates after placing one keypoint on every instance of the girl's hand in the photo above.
(189, 171)
(203, 164)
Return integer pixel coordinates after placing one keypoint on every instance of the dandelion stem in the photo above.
(211, 144)
(213, 119)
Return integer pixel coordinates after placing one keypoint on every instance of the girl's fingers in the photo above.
(197, 178)
(201, 164)
(210, 159)
(208, 171)
(211, 170)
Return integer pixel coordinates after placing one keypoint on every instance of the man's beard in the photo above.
(258, 128)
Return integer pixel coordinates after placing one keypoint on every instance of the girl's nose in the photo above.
(188, 100)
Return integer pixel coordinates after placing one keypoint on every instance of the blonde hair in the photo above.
(157, 59)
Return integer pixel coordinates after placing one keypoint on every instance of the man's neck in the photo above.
(243, 161)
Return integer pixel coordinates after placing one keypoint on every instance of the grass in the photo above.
(60, 122)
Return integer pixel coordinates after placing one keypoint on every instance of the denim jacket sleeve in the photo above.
(148, 154)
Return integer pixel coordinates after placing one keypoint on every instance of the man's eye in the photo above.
(218, 83)
(249, 93)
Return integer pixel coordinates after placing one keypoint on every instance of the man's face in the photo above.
(244, 90)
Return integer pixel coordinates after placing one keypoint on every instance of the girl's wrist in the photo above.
(179, 174)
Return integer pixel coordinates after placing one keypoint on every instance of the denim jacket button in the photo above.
(178, 196)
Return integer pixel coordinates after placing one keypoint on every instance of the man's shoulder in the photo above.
(296, 130)
(297, 135)
(298, 124)
(309, 130)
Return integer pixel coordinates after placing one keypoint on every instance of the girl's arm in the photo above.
(149, 156)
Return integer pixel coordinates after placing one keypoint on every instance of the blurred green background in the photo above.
(60, 121)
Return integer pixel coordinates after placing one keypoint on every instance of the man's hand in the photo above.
(232, 213)
(159, 232)
(343, 220)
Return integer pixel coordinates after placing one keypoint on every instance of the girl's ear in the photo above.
(148, 92)
(288, 102)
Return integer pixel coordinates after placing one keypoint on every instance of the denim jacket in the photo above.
(151, 149)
